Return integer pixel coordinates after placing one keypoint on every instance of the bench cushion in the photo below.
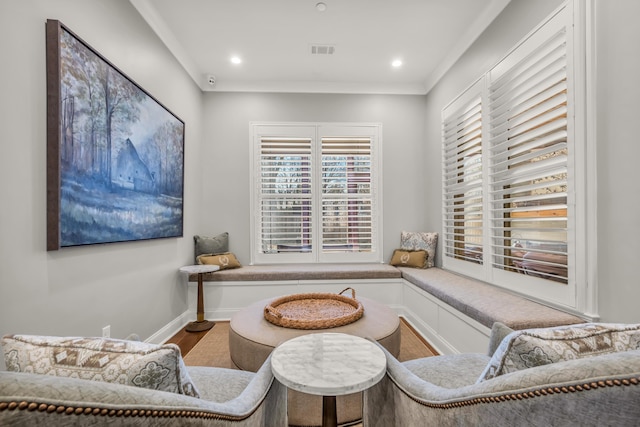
(303, 272)
(486, 303)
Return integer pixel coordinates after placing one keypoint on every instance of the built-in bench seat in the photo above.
(485, 303)
(454, 312)
(272, 272)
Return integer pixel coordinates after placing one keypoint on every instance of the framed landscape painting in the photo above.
(115, 155)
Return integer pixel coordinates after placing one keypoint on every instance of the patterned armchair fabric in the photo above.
(134, 363)
(536, 347)
(227, 398)
(444, 391)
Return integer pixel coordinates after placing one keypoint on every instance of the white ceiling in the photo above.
(274, 38)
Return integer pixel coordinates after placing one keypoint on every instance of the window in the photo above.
(529, 131)
(462, 166)
(513, 209)
(316, 193)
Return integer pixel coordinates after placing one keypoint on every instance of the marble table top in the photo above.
(199, 268)
(328, 364)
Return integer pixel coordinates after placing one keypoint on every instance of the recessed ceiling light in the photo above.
(236, 60)
(396, 63)
(321, 7)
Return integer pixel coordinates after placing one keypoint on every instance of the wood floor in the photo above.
(186, 340)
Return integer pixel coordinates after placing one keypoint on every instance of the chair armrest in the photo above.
(498, 332)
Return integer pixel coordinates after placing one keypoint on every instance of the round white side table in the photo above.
(330, 365)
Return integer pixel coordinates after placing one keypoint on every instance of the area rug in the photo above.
(213, 348)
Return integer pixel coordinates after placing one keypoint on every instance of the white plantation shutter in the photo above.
(315, 193)
(285, 194)
(515, 162)
(346, 199)
(463, 180)
(529, 154)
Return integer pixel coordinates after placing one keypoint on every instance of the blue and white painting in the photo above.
(121, 155)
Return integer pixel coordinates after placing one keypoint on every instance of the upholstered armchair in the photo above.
(140, 394)
(526, 379)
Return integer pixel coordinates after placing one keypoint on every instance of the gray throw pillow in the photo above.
(211, 245)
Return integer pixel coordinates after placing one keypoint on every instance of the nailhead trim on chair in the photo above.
(530, 394)
(68, 410)
(153, 413)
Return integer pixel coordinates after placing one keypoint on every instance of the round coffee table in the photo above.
(252, 339)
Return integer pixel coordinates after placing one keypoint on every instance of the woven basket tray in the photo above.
(314, 311)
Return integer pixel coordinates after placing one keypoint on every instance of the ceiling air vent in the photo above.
(322, 49)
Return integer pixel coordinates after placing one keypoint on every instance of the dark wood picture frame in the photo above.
(115, 154)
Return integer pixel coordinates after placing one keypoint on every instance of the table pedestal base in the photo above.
(329, 413)
(200, 324)
(205, 325)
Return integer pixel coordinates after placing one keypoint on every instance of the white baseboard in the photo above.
(171, 328)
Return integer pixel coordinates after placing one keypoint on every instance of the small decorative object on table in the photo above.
(200, 324)
(314, 310)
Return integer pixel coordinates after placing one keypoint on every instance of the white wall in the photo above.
(618, 111)
(225, 201)
(618, 68)
(134, 287)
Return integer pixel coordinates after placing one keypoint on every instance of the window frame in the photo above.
(317, 131)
